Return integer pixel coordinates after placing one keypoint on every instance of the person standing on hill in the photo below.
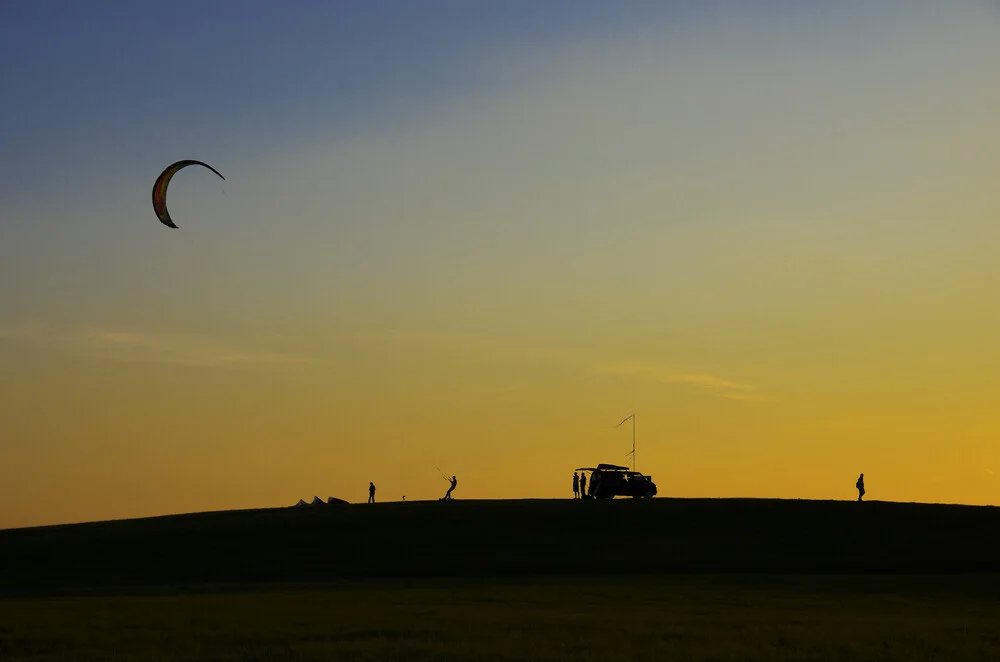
(371, 492)
(576, 486)
(583, 485)
(447, 495)
(861, 486)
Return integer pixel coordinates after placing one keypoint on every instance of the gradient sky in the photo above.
(476, 235)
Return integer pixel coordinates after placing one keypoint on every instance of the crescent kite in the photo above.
(160, 189)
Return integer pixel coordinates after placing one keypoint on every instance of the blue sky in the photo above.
(362, 127)
(105, 94)
(102, 83)
(149, 76)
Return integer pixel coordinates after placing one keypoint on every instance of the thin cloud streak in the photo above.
(717, 386)
(470, 345)
(177, 349)
(198, 350)
(707, 381)
(143, 347)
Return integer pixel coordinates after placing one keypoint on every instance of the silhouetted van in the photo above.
(610, 480)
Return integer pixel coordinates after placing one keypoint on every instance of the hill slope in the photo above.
(501, 538)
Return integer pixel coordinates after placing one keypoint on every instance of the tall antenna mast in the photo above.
(632, 416)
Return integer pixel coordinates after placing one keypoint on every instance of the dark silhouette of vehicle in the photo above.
(610, 480)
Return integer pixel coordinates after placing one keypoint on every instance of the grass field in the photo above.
(673, 618)
(510, 580)
(479, 539)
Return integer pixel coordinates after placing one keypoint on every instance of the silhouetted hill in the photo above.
(501, 538)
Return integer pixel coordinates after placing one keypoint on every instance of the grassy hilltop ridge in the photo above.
(709, 579)
(501, 538)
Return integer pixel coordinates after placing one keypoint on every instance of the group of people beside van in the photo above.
(580, 486)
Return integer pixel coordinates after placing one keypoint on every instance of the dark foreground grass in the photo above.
(598, 618)
(512, 580)
(495, 539)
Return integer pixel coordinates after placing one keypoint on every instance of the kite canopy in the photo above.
(160, 189)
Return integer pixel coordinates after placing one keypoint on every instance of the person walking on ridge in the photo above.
(576, 486)
(861, 486)
(583, 485)
(371, 492)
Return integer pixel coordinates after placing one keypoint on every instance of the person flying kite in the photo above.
(447, 495)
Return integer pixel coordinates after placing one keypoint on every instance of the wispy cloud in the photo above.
(188, 349)
(478, 346)
(116, 344)
(715, 385)
(178, 349)
(575, 359)
(754, 397)
(707, 381)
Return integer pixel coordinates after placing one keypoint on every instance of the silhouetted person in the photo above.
(583, 485)
(371, 492)
(447, 495)
(576, 486)
(861, 486)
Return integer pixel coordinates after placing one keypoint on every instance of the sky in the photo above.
(469, 238)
